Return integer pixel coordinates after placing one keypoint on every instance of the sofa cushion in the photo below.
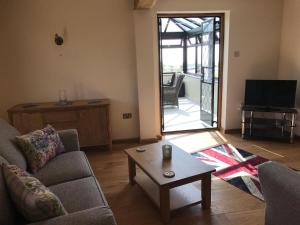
(8, 213)
(40, 146)
(32, 199)
(70, 139)
(65, 167)
(8, 147)
(80, 194)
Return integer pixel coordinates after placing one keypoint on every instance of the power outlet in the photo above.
(127, 116)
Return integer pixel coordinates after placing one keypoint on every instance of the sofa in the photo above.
(68, 175)
(281, 190)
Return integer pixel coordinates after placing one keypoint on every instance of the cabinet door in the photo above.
(93, 127)
(27, 122)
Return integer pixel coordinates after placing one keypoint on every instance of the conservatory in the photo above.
(190, 71)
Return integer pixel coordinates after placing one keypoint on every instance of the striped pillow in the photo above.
(32, 199)
(40, 146)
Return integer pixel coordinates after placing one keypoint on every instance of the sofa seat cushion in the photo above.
(65, 167)
(8, 146)
(80, 194)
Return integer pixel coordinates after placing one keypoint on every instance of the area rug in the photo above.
(236, 166)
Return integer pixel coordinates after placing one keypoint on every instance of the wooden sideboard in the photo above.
(89, 117)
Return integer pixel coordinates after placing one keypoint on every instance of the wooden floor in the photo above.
(229, 205)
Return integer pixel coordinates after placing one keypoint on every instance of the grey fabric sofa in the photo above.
(69, 176)
(281, 190)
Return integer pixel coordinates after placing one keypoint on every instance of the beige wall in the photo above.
(97, 59)
(289, 66)
(253, 28)
(146, 69)
(111, 51)
(8, 59)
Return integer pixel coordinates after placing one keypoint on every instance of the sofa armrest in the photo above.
(70, 139)
(281, 190)
(93, 216)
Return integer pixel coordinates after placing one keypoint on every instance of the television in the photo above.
(270, 93)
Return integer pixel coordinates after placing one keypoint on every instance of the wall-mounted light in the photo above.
(58, 39)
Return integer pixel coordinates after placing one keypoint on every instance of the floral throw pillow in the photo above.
(40, 146)
(31, 198)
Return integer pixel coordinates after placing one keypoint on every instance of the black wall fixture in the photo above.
(58, 40)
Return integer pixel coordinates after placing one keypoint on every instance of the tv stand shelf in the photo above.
(272, 126)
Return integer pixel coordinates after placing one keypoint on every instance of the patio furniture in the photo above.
(170, 94)
(170, 83)
(281, 190)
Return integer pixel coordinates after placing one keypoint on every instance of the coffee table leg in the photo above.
(206, 191)
(165, 204)
(132, 170)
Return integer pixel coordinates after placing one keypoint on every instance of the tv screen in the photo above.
(271, 93)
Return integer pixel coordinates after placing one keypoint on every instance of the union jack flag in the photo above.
(236, 166)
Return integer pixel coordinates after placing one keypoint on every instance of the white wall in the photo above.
(253, 28)
(192, 88)
(96, 61)
(289, 66)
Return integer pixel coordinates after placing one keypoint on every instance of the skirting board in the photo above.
(151, 140)
(126, 141)
(137, 140)
(231, 131)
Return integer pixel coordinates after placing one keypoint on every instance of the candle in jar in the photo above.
(167, 151)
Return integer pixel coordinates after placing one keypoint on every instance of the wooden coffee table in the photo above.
(170, 194)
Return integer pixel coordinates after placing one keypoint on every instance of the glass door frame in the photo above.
(220, 72)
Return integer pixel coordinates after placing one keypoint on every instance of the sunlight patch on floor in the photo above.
(194, 142)
(266, 150)
(221, 136)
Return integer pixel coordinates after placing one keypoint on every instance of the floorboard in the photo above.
(230, 206)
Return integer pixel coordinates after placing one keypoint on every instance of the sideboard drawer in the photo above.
(60, 116)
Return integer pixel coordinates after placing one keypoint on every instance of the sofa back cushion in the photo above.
(8, 147)
(8, 214)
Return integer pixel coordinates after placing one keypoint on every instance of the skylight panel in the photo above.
(173, 27)
(164, 22)
(187, 23)
(196, 20)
